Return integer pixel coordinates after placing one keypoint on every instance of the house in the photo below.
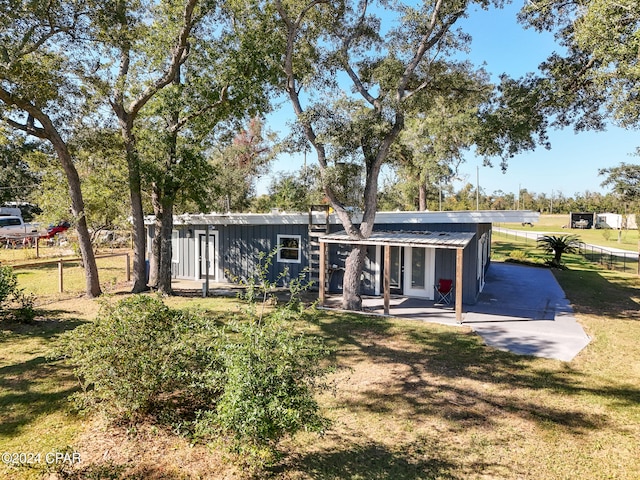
(418, 248)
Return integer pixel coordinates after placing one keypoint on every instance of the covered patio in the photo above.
(426, 239)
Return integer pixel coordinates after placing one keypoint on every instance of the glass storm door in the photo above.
(211, 271)
(418, 278)
(396, 269)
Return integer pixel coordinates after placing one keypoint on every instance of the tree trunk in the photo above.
(154, 255)
(351, 299)
(557, 257)
(137, 213)
(92, 281)
(164, 270)
(422, 197)
(161, 245)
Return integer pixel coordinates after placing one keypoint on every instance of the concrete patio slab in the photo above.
(521, 309)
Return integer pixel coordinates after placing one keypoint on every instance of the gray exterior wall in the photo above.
(238, 246)
(445, 259)
(237, 251)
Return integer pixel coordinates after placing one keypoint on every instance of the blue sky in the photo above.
(570, 167)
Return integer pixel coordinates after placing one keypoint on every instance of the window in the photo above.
(175, 250)
(9, 222)
(289, 248)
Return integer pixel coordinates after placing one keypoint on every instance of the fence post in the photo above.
(128, 268)
(60, 281)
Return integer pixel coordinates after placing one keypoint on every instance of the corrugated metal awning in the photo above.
(426, 239)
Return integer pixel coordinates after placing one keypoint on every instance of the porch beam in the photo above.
(322, 273)
(387, 278)
(458, 289)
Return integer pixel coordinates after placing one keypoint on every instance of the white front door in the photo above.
(419, 272)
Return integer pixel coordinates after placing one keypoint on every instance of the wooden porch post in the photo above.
(322, 273)
(459, 268)
(387, 278)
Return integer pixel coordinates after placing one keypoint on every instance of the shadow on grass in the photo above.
(374, 461)
(600, 292)
(46, 326)
(432, 377)
(31, 389)
(31, 385)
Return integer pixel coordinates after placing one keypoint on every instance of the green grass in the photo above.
(624, 239)
(41, 277)
(34, 415)
(411, 400)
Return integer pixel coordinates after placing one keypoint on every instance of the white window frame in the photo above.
(175, 246)
(289, 260)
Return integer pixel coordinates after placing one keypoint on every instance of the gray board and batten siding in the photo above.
(236, 241)
(444, 258)
(237, 250)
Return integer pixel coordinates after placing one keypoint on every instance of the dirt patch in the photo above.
(145, 451)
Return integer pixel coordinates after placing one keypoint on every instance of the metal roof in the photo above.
(424, 239)
(284, 218)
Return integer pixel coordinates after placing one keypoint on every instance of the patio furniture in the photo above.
(444, 291)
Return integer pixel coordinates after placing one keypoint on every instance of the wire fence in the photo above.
(620, 260)
(67, 276)
(613, 260)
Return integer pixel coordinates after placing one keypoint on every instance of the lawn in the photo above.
(622, 239)
(411, 400)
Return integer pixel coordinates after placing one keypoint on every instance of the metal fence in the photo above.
(620, 260)
(613, 260)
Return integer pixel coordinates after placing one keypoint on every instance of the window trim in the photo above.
(280, 247)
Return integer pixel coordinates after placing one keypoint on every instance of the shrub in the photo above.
(139, 355)
(559, 245)
(518, 255)
(8, 285)
(271, 376)
(252, 381)
(14, 303)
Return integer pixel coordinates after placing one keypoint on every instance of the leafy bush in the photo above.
(518, 255)
(252, 380)
(271, 376)
(8, 285)
(14, 302)
(139, 356)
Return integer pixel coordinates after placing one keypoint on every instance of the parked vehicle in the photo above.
(53, 230)
(13, 227)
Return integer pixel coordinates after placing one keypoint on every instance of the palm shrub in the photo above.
(559, 245)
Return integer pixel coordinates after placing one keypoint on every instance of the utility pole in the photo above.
(519, 195)
(477, 187)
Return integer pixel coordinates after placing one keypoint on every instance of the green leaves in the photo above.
(247, 377)
(559, 245)
(625, 180)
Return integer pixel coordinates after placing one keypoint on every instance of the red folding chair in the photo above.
(444, 291)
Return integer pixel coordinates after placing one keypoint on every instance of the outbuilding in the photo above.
(408, 253)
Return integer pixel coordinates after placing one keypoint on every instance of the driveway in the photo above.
(524, 310)
(521, 309)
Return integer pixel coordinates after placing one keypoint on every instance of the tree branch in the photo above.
(180, 124)
(178, 57)
(429, 40)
